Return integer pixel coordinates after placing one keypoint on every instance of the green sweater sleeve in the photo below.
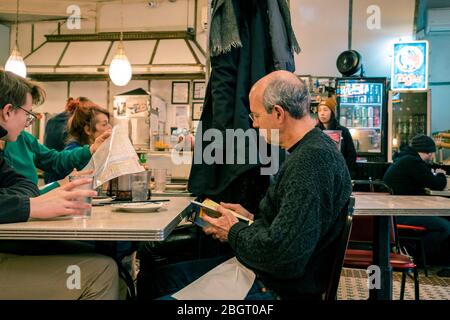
(60, 163)
(48, 187)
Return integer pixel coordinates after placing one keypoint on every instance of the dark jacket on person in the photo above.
(241, 54)
(410, 175)
(55, 137)
(56, 131)
(347, 147)
(289, 245)
(15, 193)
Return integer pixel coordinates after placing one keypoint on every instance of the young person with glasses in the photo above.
(37, 275)
(26, 154)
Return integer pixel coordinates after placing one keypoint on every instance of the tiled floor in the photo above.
(353, 286)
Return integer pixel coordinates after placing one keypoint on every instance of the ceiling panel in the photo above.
(138, 52)
(85, 53)
(173, 51)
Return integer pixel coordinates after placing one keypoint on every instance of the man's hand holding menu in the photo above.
(220, 220)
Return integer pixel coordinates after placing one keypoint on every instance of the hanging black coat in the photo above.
(226, 106)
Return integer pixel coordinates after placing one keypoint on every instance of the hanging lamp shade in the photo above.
(16, 64)
(120, 68)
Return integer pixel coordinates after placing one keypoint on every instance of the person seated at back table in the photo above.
(326, 113)
(289, 245)
(410, 174)
(34, 276)
(86, 125)
(87, 122)
(55, 135)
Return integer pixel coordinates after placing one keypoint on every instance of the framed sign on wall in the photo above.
(197, 109)
(180, 92)
(199, 90)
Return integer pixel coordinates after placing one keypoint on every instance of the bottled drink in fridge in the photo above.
(405, 128)
(376, 117)
(410, 129)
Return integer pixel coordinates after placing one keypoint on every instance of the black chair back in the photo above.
(341, 247)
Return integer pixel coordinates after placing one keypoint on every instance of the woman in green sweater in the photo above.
(26, 154)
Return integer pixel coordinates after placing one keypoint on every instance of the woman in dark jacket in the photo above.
(327, 121)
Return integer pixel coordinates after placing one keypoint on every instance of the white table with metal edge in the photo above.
(382, 207)
(105, 224)
(442, 193)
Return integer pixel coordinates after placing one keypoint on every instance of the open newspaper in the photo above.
(114, 158)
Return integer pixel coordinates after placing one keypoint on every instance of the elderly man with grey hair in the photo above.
(289, 245)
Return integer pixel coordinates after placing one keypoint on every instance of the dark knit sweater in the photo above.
(15, 193)
(289, 244)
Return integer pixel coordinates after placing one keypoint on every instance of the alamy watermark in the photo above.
(74, 18)
(373, 22)
(234, 146)
(73, 282)
(373, 277)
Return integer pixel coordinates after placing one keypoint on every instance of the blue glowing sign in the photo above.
(410, 66)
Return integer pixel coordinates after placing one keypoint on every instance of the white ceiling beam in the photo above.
(47, 8)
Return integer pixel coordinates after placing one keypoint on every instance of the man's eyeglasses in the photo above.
(31, 116)
(253, 116)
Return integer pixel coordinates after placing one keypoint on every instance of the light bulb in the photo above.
(120, 69)
(16, 64)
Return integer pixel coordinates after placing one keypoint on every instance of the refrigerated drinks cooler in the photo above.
(362, 108)
(409, 115)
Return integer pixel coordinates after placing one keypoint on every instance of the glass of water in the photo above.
(160, 176)
(139, 186)
(89, 186)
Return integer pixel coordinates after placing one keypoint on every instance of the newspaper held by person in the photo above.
(114, 158)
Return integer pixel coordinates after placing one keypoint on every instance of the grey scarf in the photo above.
(224, 32)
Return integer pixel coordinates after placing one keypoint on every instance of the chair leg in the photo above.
(424, 261)
(123, 272)
(416, 285)
(402, 288)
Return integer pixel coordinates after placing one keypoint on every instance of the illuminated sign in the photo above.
(410, 66)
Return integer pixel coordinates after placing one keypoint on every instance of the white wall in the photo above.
(57, 94)
(201, 33)
(140, 17)
(4, 44)
(163, 89)
(321, 27)
(396, 21)
(439, 72)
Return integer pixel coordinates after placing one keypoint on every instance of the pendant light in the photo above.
(15, 62)
(120, 69)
